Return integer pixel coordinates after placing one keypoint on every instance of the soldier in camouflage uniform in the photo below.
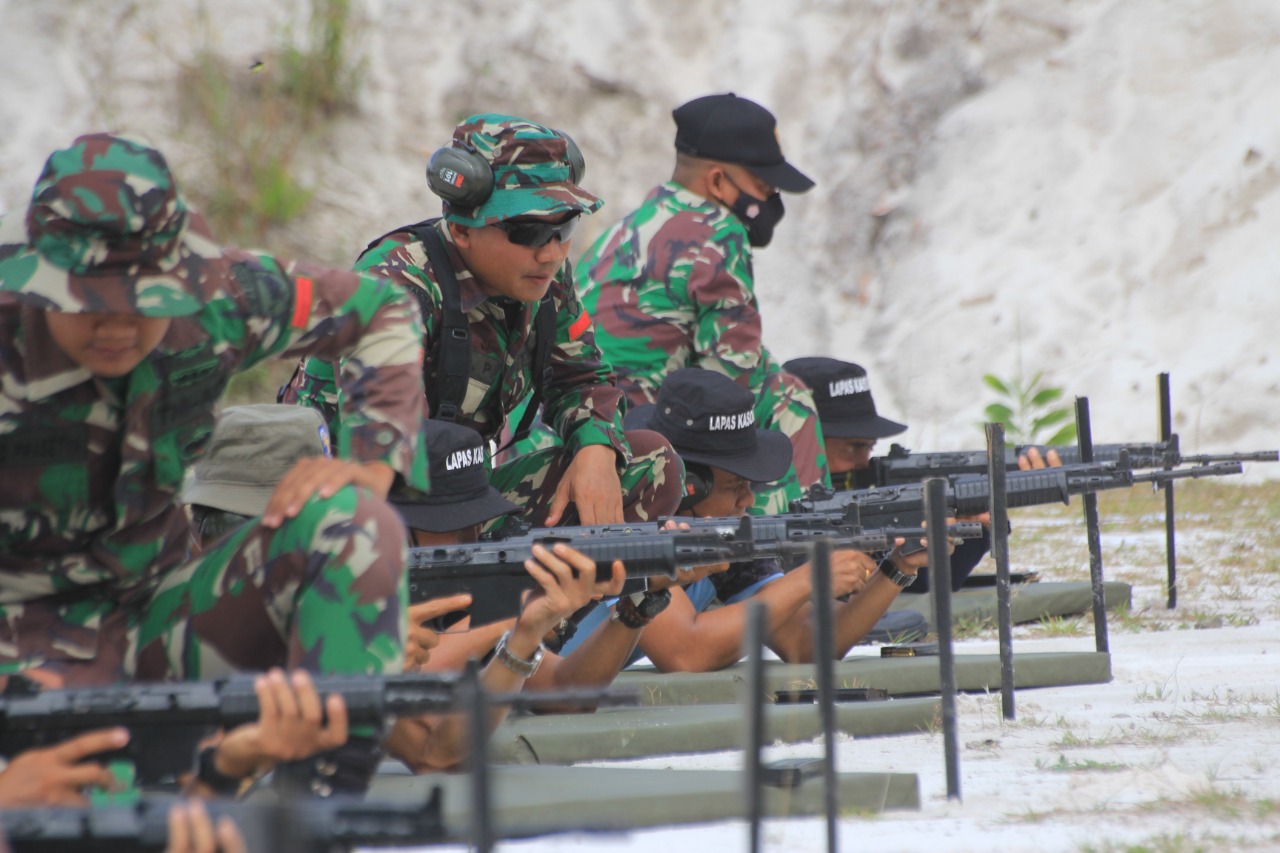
(121, 322)
(671, 284)
(507, 252)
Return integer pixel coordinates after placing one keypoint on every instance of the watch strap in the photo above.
(520, 666)
(208, 774)
(889, 570)
(637, 610)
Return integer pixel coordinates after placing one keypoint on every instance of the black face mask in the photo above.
(759, 215)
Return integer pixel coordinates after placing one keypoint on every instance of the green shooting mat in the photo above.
(900, 676)
(669, 730)
(1028, 602)
(532, 799)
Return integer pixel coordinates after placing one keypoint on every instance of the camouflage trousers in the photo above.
(786, 406)
(652, 482)
(325, 592)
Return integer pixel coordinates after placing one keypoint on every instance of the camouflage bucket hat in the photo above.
(107, 233)
(533, 170)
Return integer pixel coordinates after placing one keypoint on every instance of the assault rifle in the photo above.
(292, 826)
(166, 720)
(493, 570)
(900, 465)
(903, 505)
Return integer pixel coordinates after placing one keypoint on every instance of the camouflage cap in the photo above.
(107, 233)
(533, 170)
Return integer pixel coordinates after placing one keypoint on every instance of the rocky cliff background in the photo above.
(1086, 188)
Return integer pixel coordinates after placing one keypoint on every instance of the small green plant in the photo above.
(254, 124)
(1029, 410)
(1062, 765)
(1153, 692)
(1062, 626)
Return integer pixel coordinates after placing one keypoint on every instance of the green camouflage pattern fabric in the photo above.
(582, 403)
(671, 286)
(107, 232)
(90, 520)
(652, 481)
(786, 404)
(533, 172)
(325, 592)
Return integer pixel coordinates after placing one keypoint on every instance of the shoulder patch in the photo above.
(301, 302)
(579, 325)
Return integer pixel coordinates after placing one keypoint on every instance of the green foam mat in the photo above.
(900, 676)
(1028, 602)
(669, 730)
(538, 799)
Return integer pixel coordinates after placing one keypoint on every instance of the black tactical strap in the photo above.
(455, 333)
(454, 356)
(544, 330)
(451, 360)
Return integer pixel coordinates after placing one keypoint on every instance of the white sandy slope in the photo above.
(1111, 208)
(1090, 184)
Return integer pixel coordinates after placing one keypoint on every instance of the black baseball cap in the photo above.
(460, 494)
(709, 418)
(736, 130)
(842, 393)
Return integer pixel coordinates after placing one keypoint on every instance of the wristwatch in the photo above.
(889, 570)
(208, 773)
(521, 667)
(640, 608)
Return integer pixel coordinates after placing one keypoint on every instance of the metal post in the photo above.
(1000, 552)
(1093, 532)
(935, 508)
(1170, 549)
(753, 774)
(482, 834)
(823, 643)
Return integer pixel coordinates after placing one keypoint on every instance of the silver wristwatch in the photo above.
(520, 666)
(889, 570)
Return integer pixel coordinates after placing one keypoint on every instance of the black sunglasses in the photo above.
(534, 234)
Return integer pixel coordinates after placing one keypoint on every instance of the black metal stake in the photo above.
(482, 834)
(1093, 532)
(935, 509)
(753, 774)
(1000, 553)
(823, 642)
(1170, 549)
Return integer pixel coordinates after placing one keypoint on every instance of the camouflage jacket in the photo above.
(582, 404)
(92, 468)
(670, 286)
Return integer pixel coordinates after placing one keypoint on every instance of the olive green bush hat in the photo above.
(252, 448)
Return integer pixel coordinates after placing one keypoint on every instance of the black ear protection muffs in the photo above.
(461, 175)
(698, 483)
